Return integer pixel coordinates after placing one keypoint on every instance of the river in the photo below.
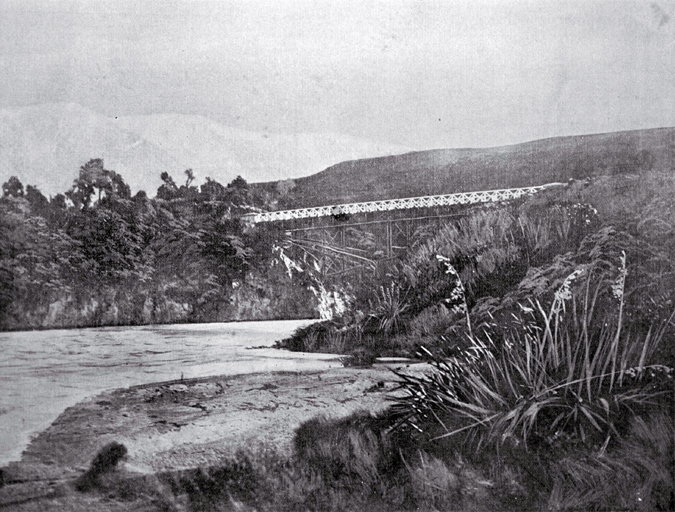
(44, 372)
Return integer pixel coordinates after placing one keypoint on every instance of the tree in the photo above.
(58, 202)
(168, 190)
(57, 210)
(168, 180)
(224, 248)
(212, 189)
(38, 202)
(190, 177)
(12, 187)
(7, 289)
(108, 240)
(117, 187)
(238, 183)
(239, 193)
(92, 176)
(186, 191)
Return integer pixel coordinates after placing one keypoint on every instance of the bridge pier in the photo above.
(339, 246)
(388, 239)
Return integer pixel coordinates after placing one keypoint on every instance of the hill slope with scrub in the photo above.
(549, 325)
(445, 171)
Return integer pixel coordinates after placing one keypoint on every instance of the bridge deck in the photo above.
(397, 204)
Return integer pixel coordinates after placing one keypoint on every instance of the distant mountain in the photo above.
(445, 171)
(45, 145)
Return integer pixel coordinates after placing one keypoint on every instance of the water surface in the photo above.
(44, 372)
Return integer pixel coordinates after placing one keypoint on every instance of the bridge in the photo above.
(462, 198)
(345, 237)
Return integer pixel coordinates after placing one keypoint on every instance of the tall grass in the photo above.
(638, 475)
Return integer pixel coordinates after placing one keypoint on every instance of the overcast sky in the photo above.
(419, 73)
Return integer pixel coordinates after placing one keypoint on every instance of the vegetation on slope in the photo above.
(507, 255)
(446, 171)
(549, 328)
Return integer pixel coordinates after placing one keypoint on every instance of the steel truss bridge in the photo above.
(347, 237)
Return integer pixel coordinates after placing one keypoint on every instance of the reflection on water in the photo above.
(44, 372)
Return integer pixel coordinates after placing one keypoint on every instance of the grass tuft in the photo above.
(106, 460)
(356, 448)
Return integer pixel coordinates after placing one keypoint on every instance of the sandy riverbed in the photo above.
(176, 425)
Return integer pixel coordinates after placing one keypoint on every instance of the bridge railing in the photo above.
(460, 198)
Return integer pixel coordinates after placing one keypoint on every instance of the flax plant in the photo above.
(566, 372)
(388, 308)
(458, 295)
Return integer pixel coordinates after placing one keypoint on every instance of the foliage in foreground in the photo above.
(362, 461)
(552, 349)
(567, 373)
(567, 391)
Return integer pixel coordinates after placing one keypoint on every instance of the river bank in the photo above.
(184, 424)
(43, 373)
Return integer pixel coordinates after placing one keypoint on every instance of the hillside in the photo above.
(445, 171)
(45, 145)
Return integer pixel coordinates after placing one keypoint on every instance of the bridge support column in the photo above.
(341, 242)
(389, 240)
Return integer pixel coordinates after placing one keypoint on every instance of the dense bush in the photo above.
(97, 256)
(568, 373)
(492, 251)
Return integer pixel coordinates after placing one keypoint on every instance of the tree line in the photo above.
(98, 255)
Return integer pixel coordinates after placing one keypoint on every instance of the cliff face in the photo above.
(110, 306)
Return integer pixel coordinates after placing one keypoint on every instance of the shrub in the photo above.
(354, 449)
(307, 339)
(431, 323)
(326, 336)
(105, 461)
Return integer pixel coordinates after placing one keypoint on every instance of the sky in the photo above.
(422, 74)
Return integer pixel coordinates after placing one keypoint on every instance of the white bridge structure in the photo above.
(350, 237)
(461, 198)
